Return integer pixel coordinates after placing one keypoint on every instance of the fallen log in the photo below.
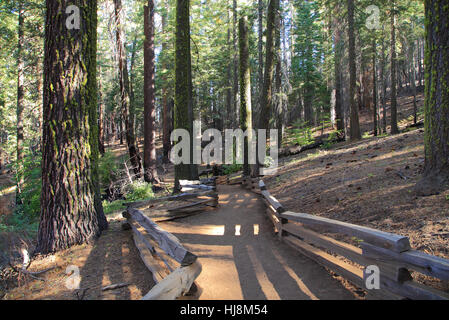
(292, 151)
(182, 196)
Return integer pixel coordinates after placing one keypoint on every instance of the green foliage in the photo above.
(111, 207)
(138, 191)
(232, 168)
(30, 206)
(108, 169)
(330, 141)
(302, 136)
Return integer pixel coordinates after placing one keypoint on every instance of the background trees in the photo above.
(314, 63)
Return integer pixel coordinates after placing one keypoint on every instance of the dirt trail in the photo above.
(242, 258)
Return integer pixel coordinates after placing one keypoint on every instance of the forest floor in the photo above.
(113, 259)
(370, 183)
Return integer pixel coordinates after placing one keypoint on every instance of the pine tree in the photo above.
(150, 164)
(245, 90)
(436, 172)
(354, 111)
(183, 87)
(71, 211)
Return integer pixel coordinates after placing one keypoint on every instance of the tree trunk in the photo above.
(383, 79)
(235, 91)
(100, 117)
(354, 112)
(20, 103)
(265, 112)
(71, 207)
(261, 7)
(245, 91)
(375, 124)
(338, 45)
(229, 113)
(183, 87)
(166, 121)
(413, 82)
(394, 103)
(150, 161)
(436, 171)
(125, 100)
(278, 82)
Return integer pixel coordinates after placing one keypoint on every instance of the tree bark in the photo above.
(338, 45)
(20, 102)
(354, 112)
(261, 7)
(101, 130)
(165, 96)
(375, 124)
(183, 87)
(436, 171)
(245, 91)
(267, 101)
(394, 103)
(150, 161)
(71, 208)
(384, 86)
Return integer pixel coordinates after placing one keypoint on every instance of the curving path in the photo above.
(242, 258)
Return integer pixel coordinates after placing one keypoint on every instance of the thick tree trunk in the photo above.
(125, 100)
(354, 119)
(71, 207)
(245, 90)
(20, 103)
(394, 103)
(183, 87)
(267, 92)
(436, 172)
(150, 161)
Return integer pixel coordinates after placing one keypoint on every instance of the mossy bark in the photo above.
(436, 173)
(245, 90)
(71, 211)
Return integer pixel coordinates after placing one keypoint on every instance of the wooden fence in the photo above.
(389, 254)
(174, 268)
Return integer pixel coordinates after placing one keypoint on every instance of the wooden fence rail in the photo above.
(389, 254)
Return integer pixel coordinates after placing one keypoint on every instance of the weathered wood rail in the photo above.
(173, 267)
(197, 196)
(390, 254)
